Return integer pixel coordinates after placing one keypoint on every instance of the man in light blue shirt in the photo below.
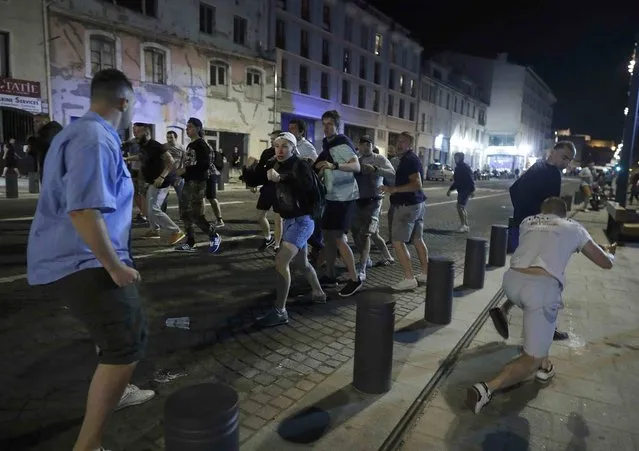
(80, 242)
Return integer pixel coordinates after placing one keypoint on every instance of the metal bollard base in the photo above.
(475, 263)
(373, 362)
(439, 291)
(203, 417)
(498, 246)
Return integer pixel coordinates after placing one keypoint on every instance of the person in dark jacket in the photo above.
(195, 172)
(540, 182)
(293, 182)
(43, 138)
(464, 183)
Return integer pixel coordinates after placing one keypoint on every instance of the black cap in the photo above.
(366, 139)
(195, 122)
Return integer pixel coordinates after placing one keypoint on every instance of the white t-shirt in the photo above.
(548, 242)
(306, 149)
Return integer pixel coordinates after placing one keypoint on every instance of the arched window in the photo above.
(103, 50)
(219, 77)
(155, 63)
(254, 84)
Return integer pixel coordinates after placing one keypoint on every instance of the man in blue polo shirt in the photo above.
(79, 242)
(408, 201)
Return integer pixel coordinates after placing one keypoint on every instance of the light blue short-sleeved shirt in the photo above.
(344, 185)
(84, 169)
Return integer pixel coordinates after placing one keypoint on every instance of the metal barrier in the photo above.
(203, 417)
(439, 290)
(475, 263)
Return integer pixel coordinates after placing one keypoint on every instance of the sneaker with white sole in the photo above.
(134, 396)
(405, 285)
(477, 397)
(463, 229)
(421, 278)
(545, 375)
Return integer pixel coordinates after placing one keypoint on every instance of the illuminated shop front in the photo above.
(507, 158)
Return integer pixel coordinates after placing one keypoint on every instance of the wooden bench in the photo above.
(622, 222)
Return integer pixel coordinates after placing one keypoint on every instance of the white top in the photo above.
(306, 149)
(548, 242)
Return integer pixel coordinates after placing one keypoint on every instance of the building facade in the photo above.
(452, 117)
(347, 56)
(519, 116)
(24, 85)
(209, 59)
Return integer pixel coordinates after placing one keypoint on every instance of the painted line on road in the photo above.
(171, 207)
(234, 239)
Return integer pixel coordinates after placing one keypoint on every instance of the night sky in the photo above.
(580, 51)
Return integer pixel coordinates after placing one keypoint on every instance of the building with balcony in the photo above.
(452, 117)
(347, 56)
(207, 59)
(24, 81)
(519, 115)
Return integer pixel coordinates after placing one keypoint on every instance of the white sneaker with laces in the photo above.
(477, 397)
(134, 396)
(544, 376)
(405, 285)
(421, 278)
(464, 229)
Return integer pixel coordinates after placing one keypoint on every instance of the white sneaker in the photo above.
(477, 397)
(421, 278)
(464, 229)
(405, 285)
(133, 396)
(544, 376)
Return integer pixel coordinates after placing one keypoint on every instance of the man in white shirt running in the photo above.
(535, 283)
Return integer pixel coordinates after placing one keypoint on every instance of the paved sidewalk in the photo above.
(591, 403)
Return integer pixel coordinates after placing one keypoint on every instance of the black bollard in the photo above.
(475, 263)
(498, 245)
(374, 328)
(203, 417)
(568, 201)
(439, 290)
(512, 242)
(579, 197)
(220, 182)
(34, 183)
(11, 185)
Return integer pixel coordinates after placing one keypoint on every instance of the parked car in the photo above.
(438, 171)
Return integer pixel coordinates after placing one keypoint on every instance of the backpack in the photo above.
(317, 196)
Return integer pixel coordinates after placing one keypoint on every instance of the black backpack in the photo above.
(317, 195)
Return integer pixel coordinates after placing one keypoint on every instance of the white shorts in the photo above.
(540, 299)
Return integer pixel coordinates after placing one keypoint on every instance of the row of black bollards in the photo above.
(205, 417)
(11, 187)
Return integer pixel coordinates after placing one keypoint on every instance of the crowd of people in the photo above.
(80, 238)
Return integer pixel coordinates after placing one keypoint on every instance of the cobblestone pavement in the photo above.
(52, 358)
(590, 404)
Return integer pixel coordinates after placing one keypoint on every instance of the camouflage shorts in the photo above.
(192, 199)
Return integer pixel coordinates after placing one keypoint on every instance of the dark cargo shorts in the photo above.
(112, 315)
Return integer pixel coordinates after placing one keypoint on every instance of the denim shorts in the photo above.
(298, 230)
(540, 299)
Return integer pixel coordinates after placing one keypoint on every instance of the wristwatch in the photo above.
(336, 166)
